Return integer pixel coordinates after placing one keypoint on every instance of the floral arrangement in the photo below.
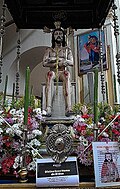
(12, 130)
(83, 128)
(11, 136)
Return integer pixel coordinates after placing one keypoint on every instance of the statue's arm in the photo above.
(69, 59)
(47, 61)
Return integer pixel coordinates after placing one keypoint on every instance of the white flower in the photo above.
(18, 162)
(14, 118)
(18, 132)
(83, 140)
(15, 165)
(20, 112)
(31, 166)
(10, 131)
(30, 136)
(14, 130)
(1, 131)
(105, 134)
(1, 121)
(90, 126)
(34, 153)
(36, 132)
(102, 119)
(79, 118)
(37, 110)
(1, 111)
(16, 126)
(44, 112)
(35, 142)
(13, 111)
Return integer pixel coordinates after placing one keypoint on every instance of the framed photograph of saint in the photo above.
(89, 51)
(106, 164)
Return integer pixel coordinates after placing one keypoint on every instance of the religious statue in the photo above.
(57, 58)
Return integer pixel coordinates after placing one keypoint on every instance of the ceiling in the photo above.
(79, 14)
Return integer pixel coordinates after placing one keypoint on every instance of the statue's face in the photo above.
(58, 36)
(93, 40)
(108, 157)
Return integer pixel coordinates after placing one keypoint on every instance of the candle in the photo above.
(106, 91)
(95, 96)
(115, 90)
(31, 97)
(26, 97)
(4, 97)
(13, 93)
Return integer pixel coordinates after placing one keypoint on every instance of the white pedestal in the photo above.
(58, 104)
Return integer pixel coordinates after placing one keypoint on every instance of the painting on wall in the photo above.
(89, 51)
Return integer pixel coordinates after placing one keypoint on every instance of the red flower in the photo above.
(29, 120)
(8, 144)
(91, 134)
(112, 116)
(83, 132)
(28, 159)
(119, 117)
(101, 127)
(85, 116)
(81, 129)
(6, 140)
(7, 164)
(100, 137)
(116, 123)
(90, 148)
(115, 132)
(29, 110)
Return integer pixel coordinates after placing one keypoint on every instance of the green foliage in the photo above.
(19, 103)
(34, 102)
(104, 109)
(116, 108)
(77, 108)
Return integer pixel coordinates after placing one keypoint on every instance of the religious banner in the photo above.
(106, 163)
(89, 51)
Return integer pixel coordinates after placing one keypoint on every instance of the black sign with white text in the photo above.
(49, 173)
(54, 169)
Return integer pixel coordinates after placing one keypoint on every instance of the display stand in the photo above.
(82, 185)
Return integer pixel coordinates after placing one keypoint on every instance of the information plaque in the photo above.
(49, 173)
(106, 164)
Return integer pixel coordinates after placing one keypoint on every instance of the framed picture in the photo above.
(89, 51)
(106, 164)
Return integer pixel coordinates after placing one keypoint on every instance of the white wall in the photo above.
(33, 44)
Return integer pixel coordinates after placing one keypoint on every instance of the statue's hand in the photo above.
(60, 64)
(65, 63)
(52, 59)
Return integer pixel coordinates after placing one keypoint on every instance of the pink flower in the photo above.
(7, 164)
